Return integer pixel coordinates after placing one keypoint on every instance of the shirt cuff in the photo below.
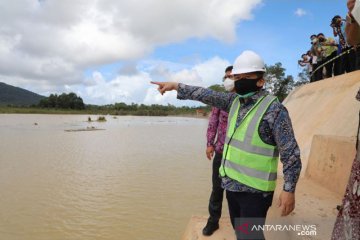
(181, 91)
(289, 187)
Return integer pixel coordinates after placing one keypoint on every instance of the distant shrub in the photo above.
(62, 101)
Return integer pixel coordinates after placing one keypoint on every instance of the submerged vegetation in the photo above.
(101, 119)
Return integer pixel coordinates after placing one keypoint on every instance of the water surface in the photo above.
(140, 178)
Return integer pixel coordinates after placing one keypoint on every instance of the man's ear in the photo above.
(261, 82)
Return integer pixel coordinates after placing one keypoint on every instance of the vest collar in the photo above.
(255, 97)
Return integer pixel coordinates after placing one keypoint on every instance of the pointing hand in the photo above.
(166, 86)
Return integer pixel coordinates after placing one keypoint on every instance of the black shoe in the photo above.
(210, 228)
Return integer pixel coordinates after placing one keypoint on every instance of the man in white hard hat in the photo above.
(259, 128)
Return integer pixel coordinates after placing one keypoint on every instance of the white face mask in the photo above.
(314, 40)
(229, 84)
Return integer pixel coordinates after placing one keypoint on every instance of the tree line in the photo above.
(73, 102)
(146, 110)
(279, 84)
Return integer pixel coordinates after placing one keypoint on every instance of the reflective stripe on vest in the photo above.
(246, 144)
(251, 172)
(254, 164)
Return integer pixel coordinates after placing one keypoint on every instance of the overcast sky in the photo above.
(108, 51)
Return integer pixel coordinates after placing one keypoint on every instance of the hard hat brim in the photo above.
(247, 70)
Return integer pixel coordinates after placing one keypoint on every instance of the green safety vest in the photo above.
(246, 158)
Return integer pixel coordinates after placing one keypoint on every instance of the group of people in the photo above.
(328, 57)
(250, 131)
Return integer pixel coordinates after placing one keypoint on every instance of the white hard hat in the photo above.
(248, 62)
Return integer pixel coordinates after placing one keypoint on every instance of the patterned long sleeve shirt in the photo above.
(217, 129)
(275, 129)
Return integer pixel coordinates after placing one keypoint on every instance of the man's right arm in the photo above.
(210, 97)
(185, 92)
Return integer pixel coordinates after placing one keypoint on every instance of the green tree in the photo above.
(303, 78)
(63, 101)
(120, 106)
(53, 101)
(78, 103)
(276, 82)
(44, 103)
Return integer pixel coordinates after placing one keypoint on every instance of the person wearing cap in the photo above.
(338, 26)
(347, 60)
(259, 129)
(317, 58)
(217, 130)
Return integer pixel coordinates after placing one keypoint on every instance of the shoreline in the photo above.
(149, 113)
(60, 112)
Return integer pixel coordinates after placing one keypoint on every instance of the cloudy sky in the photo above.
(108, 51)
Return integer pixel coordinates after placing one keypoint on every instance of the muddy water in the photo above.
(140, 178)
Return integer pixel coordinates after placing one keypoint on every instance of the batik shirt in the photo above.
(217, 129)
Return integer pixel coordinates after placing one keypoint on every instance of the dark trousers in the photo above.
(337, 66)
(313, 73)
(248, 205)
(318, 75)
(348, 61)
(357, 54)
(332, 66)
(217, 193)
(341, 66)
(313, 77)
